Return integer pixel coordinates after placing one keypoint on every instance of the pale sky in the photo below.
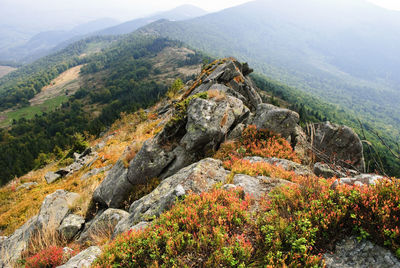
(67, 13)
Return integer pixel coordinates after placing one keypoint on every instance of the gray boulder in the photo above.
(115, 188)
(12, 247)
(324, 170)
(209, 122)
(103, 224)
(95, 171)
(70, 226)
(55, 208)
(338, 145)
(353, 253)
(27, 185)
(83, 259)
(278, 120)
(51, 177)
(256, 187)
(198, 177)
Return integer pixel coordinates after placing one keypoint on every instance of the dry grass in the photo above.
(16, 207)
(43, 239)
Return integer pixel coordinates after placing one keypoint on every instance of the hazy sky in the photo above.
(66, 13)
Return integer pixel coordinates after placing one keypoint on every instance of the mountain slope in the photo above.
(183, 12)
(343, 51)
(44, 42)
(129, 75)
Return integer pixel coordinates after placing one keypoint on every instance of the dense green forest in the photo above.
(18, 87)
(126, 85)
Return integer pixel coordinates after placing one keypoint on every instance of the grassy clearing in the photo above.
(4, 70)
(29, 112)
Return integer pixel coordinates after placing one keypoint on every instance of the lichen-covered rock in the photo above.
(209, 121)
(83, 259)
(70, 226)
(103, 223)
(339, 145)
(360, 180)
(278, 120)
(12, 247)
(324, 170)
(51, 177)
(55, 208)
(258, 186)
(198, 177)
(351, 253)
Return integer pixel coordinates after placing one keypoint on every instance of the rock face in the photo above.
(51, 177)
(278, 120)
(105, 222)
(83, 259)
(54, 209)
(256, 187)
(197, 177)
(12, 248)
(339, 145)
(198, 126)
(352, 253)
(70, 226)
(112, 192)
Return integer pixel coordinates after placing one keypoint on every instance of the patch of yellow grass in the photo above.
(16, 207)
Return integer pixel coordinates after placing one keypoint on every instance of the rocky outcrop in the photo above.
(103, 224)
(54, 209)
(278, 120)
(338, 145)
(80, 160)
(95, 171)
(12, 248)
(359, 180)
(258, 186)
(353, 253)
(83, 259)
(51, 177)
(198, 126)
(115, 188)
(70, 226)
(197, 178)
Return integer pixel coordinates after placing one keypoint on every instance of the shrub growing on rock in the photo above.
(212, 229)
(257, 142)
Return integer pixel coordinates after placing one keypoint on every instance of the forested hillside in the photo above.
(123, 78)
(311, 52)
